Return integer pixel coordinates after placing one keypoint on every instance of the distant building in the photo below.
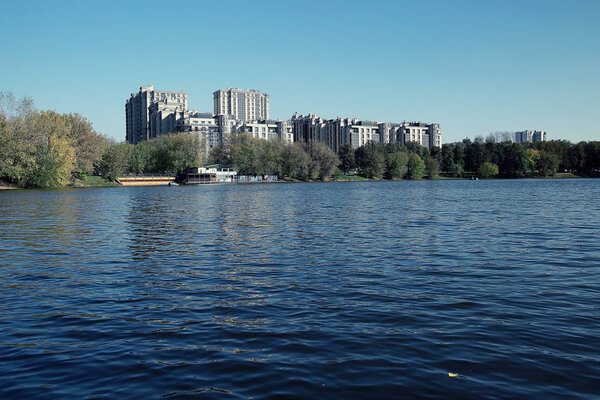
(244, 105)
(203, 123)
(137, 110)
(341, 131)
(530, 136)
(163, 117)
(427, 135)
(152, 113)
(268, 130)
(307, 128)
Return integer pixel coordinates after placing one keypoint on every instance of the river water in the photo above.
(324, 290)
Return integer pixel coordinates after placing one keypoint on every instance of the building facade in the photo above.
(341, 131)
(137, 110)
(530, 136)
(204, 124)
(244, 105)
(152, 113)
(426, 134)
(163, 118)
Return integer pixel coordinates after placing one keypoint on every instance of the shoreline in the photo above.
(352, 178)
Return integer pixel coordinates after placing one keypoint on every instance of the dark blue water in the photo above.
(335, 290)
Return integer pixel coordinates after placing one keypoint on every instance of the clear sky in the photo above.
(475, 67)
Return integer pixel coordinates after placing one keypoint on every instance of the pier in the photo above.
(146, 180)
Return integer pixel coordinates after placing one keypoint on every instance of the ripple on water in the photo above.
(337, 290)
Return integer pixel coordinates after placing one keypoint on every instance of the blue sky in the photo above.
(475, 67)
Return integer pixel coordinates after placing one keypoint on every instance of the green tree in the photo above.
(447, 164)
(487, 170)
(533, 157)
(115, 160)
(296, 162)
(475, 154)
(547, 163)
(220, 154)
(459, 153)
(436, 154)
(395, 164)
(271, 154)
(143, 157)
(457, 171)
(179, 151)
(323, 161)
(416, 167)
(576, 157)
(592, 157)
(432, 168)
(416, 147)
(245, 154)
(347, 159)
(514, 162)
(370, 160)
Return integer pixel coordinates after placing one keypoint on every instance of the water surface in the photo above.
(334, 290)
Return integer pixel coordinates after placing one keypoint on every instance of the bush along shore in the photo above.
(48, 149)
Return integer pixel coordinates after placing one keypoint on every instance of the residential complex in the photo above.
(151, 113)
(340, 131)
(530, 136)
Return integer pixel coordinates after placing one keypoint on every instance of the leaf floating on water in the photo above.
(452, 375)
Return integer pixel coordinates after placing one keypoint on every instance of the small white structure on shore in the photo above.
(209, 175)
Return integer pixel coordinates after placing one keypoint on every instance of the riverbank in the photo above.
(92, 181)
(6, 185)
(89, 181)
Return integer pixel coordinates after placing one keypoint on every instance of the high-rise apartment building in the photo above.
(530, 136)
(341, 131)
(137, 110)
(244, 105)
(151, 113)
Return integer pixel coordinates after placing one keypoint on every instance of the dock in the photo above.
(145, 180)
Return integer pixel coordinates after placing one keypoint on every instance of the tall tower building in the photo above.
(244, 105)
(137, 113)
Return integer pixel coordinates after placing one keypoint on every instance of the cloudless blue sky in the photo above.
(475, 67)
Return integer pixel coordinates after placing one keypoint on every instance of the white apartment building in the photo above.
(163, 118)
(203, 123)
(340, 131)
(244, 105)
(137, 113)
(151, 113)
(426, 134)
(530, 136)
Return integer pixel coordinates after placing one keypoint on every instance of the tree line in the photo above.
(48, 149)
(482, 158)
(254, 156)
(514, 160)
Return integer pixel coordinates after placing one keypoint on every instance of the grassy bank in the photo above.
(92, 181)
(349, 178)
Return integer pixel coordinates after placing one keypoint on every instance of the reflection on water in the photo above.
(333, 290)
